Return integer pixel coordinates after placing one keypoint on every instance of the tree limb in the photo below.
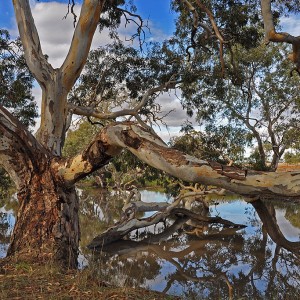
(280, 37)
(81, 42)
(94, 112)
(19, 150)
(154, 152)
(35, 58)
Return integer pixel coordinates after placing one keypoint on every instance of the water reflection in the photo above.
(260, 261)
(7, 221)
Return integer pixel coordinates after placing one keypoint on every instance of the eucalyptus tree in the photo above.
(223, 144)
(264, 101)
(16, 83)
(47, 224)
(250, 85)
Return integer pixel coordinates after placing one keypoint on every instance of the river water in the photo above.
(260, 261)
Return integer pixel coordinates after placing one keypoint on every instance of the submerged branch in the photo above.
(123, 228)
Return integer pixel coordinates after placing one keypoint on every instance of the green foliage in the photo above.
(15, 91)
(255, 161)
(5, 184)
(78, 139)
(221, 144)
(15, 80)
(118, 76)
(257, 95)
(292, 158)
(293, 215)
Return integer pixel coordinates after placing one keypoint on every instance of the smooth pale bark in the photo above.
(56, 83)
(154, 152)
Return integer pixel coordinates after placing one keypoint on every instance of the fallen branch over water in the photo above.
(129, 223)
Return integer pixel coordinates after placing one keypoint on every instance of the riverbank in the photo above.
(31, 281)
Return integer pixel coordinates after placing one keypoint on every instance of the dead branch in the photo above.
(130, 223)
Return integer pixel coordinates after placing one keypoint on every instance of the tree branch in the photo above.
(34, 56)
(154, 152)
(20, 153)
(93, 112)
(81, 42)
(280, 37)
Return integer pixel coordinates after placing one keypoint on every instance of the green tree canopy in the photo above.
(16, 81)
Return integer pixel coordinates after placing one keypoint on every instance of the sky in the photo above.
(56, 33)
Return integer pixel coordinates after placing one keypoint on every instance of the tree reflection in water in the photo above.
(257, 262)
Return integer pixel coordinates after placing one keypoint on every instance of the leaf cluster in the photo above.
(16, 81)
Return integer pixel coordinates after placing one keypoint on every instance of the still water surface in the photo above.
(261, 261)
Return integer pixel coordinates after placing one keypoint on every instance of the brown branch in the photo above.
(140, 25)
(93, 112)
(280, 37)
(71, 5)
(215, 29)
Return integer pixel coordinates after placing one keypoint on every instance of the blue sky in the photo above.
(6, 13)
(158, 11)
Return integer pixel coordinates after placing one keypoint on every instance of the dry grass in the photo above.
(27, 281)
(284, 167)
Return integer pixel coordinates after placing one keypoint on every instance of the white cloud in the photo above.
(171, 107)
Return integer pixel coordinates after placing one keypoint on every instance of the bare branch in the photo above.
(81, 42)
(93, 112)
(71, 5)
(141, 35)
(34, 56)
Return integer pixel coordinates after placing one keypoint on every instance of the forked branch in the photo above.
(280, 37)
(94, 112)
(210, 31)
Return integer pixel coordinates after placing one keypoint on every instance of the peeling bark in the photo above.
(47, 226)
(243, 182)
